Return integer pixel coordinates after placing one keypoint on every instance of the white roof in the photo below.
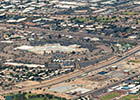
(82, 90)
(11, 21)
(6, 41)
(24, 47)
(21, 19)
(21, 64)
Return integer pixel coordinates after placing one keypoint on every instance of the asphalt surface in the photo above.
(92, 62)
(73, 74)
(98, 92)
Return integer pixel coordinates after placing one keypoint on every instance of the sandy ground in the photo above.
(2, 98)
(27, 84)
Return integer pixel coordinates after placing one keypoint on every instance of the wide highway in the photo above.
(77, 73)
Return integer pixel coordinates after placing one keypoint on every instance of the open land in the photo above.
(81, 50)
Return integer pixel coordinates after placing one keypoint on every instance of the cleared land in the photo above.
(48, 48)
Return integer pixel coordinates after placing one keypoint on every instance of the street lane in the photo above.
(75, 74)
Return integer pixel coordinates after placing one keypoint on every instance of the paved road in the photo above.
(94, 61)
(76, 73)
(98, 92)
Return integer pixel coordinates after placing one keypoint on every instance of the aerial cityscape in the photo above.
(69, 49)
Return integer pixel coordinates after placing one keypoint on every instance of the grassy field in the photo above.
(130, 13)
(106, 19)
(129, 97)
(134, 61)
(110, 96)
(36, 99)
(81, 19)
(41, 99)
(30, 96)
